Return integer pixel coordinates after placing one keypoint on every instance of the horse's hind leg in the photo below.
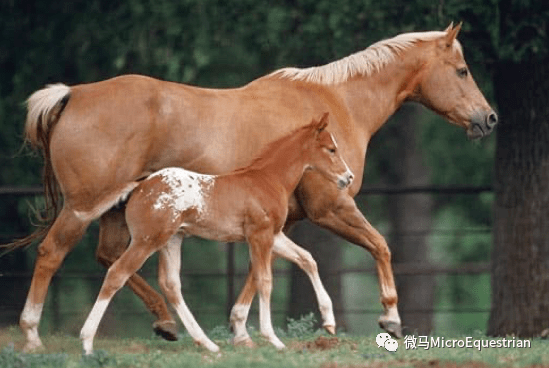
(114, 238)
(117, 275)
(64, 234)
(170, 282)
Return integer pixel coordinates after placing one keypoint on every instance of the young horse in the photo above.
(249, 204)
(215, 131)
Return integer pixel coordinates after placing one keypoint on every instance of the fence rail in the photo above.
(399, 269)
(9, 190)
(230, 274)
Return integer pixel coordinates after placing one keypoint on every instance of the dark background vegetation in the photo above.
(223, 44)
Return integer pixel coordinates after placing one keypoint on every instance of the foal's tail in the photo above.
(44, 110)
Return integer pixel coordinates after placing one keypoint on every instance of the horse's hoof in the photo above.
(393, 328)
(33, 347)
(166, 330)
(247, 342)
(330, 329)
(210, 345)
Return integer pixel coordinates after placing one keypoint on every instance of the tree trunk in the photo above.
(410, 216)
(324, 247)
(520, 257)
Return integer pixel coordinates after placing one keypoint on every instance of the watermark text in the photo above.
(431, 342)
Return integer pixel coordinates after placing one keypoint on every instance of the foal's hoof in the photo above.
(330, 329)
(34, 347)
(166, 330)
(393, 328)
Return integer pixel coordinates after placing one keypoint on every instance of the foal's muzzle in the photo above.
(345, 180)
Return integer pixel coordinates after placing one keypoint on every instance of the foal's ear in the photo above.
(322, 123)
(451, 33)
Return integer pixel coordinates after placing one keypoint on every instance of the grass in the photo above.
(305, 348)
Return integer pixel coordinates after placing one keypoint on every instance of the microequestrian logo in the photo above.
(385, 340)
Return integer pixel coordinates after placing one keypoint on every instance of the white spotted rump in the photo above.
(187, 189)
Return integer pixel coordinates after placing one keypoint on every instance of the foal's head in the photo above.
(447, 86)
(322, 154)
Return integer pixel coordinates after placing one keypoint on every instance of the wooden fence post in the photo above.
(230, 278)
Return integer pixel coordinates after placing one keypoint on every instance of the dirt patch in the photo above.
(322, 343)
(420, 364)
(442, 364)
(136, 348)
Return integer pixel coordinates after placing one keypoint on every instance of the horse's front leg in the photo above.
(240, 311)
(261, 244)
(114, 238)
(290, 251)
(337, 211)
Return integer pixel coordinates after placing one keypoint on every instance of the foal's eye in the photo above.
(462, 72)
(332, 150)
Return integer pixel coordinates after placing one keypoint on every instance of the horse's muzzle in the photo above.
(482, 125)
(345, 180)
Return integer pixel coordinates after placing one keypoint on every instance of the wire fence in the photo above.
(232, 275)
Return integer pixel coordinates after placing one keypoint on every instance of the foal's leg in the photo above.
(285, 248)
(338, 212)
(170, 282)
(117, 275)
(260, 244)
(114, 238)
(289, 250)
(64, 234)
(241, 309)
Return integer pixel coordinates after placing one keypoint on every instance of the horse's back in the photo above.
(122, 129)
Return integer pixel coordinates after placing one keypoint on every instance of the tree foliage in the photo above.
(214, 43)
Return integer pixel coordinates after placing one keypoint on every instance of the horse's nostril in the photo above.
(492, 120)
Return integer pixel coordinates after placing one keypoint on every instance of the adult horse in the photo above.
(99, 139)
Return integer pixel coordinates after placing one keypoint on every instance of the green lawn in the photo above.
(305, 348)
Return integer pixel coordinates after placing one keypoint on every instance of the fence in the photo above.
(231, 273)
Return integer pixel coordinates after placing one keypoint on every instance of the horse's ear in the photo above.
(323, 122)
(451, 33)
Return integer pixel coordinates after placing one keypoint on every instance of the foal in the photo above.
(249, 204)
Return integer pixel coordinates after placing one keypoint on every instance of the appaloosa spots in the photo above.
(186, 190)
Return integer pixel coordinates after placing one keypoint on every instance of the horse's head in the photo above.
(446, 86)
(324, 156)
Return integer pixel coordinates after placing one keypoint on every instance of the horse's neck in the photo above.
(283, 167)
(372, 99)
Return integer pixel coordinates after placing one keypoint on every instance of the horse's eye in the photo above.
(332, 150)
(462, 72)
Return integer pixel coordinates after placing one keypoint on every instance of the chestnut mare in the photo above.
(249, 204)
(99, 139)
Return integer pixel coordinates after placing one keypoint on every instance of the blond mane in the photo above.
(365, 62)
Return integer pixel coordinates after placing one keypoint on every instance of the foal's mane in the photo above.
(365, 62)
(279, 144)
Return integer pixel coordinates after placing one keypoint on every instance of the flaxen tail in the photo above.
(44, 108)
